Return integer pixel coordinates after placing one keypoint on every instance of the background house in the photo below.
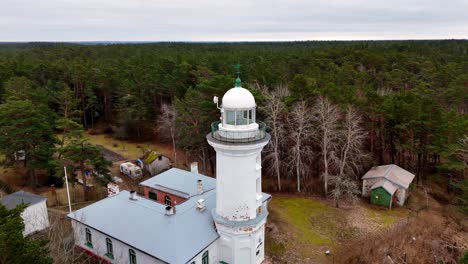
(35, 216)
(386, 185)
(155, 163)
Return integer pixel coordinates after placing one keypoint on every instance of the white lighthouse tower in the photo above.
(241, 207)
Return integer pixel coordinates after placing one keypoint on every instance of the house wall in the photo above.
(367, 184)
(212, 253)
(35, 218)
(161, 195)
(401, 195)
(99, 249)
(158, 165)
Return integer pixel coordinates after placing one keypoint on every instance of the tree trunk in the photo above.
(298, 170)
(83, 175)
(277, 168)
(174, 147)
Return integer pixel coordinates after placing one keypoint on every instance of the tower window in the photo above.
(110, 250)
(89, 238)
(167, 200)
(132, 256)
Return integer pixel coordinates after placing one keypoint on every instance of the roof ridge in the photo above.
(388, 170)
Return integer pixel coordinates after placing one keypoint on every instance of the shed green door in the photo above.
(380, 196)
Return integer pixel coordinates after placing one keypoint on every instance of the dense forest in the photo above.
(401, 102)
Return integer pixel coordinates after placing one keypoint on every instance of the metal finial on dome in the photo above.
(238, 79)
(238, 82)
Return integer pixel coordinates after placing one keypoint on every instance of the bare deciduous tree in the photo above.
(274, 109)
(300, 128)
(327, 118)
(348, 158)
(166, 126)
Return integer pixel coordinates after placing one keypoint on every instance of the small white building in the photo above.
(394, 180)
(155, 163)
(131, 170)
(35, 216)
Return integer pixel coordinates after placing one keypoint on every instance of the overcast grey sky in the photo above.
(241, 20)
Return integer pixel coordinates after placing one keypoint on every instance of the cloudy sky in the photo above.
(234, 20)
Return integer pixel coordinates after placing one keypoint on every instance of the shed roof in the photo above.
(12, 200)
(143, 224)
(392, 173)
(388, 186)
(180, 182)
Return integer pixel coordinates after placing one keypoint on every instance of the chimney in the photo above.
(169, 210)
(194, 167)
(201, 205)
(133, 195)
(199, 187)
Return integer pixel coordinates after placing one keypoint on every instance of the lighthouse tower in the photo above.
(241, 207)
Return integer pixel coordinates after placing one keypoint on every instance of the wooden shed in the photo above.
(387, 184)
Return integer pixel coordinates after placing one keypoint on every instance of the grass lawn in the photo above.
(302, 229)
(386, 217)
(128, 149)
(305, 226)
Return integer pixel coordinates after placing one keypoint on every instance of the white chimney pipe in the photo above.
(133, 195)
(199, 187)
(201, 205)
(169, 210)
(194, 167)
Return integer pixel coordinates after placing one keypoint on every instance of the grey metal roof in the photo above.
(391, 172)
(180, 182)
(144, 225)
(12, 200)
(387, 185)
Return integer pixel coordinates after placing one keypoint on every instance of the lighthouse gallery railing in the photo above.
(238, 136)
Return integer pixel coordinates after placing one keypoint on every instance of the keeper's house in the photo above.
(35, 215)
(386, 185)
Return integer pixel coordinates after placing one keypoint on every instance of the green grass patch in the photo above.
(274, 247)
(385, 217)
(127, 149)
(312, 221)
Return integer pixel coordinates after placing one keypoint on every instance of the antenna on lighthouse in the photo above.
(216, 101)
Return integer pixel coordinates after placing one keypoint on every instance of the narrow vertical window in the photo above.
(110, 250)
(89, 238)
(206, 258)
(167, 200)
(132, 256)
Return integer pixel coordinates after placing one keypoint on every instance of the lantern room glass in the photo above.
(239, 117)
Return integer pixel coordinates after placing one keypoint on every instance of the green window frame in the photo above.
(152, 196)
(132, 256)
(110, 249)
(167, 200)
(89, 238)
(206, 257)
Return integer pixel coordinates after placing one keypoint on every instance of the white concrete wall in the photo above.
(367, 184)
(36, 218)
(239, 246)
(121, 254)
(212, 253)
